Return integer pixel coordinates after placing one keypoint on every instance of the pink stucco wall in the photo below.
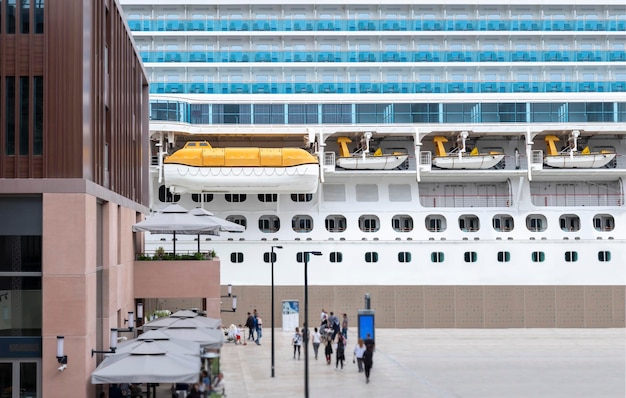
(69, 256)
(179, 279)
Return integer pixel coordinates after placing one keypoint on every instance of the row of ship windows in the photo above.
(399, 223)
(471, 112)
(237, 24)
(435, 257)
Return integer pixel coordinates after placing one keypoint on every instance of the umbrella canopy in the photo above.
(183, 321)
(207, 338)
(147, 363)
(223, 225)
(160, 340)
(176, 219)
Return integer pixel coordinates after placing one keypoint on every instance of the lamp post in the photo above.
(272, 261)
(306, 320)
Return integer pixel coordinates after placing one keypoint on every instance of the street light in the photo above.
(272, 261)
(306, 320)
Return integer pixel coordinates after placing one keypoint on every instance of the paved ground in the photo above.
(441, 363)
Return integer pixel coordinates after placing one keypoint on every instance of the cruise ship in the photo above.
(468, 157)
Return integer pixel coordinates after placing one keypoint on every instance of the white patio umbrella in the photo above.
(207, 338)
(147, 363)
(193, 322)
(176, 219)
(224, 225)
(161, 340)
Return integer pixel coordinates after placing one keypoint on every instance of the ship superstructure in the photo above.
(508, 121)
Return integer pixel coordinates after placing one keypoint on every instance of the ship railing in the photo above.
(482, 200)
(578, 199)
(536, 162)
(425, 160)
(329, 161)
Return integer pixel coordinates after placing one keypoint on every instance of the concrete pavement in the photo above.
(441, 363)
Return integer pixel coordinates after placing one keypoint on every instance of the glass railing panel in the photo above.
(379, 87)
(384, 56)
(376, 25)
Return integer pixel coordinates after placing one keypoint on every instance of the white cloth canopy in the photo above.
(176, 219)
(173, 321)
(147, 363)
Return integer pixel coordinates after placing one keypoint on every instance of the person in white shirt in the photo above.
(359, 350)
(317, 339)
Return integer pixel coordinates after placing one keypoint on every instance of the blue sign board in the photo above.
(366, 324)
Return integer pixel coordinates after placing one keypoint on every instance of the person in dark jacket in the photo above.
(250, 326)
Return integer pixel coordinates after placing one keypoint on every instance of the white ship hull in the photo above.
(295, 179)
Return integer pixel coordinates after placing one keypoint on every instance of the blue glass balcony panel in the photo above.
(240, 25)
(387, 87)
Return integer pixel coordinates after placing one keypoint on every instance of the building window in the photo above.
(404, 257)
(237, 219)
(38, 115)
(24, 114)
(165, 196)
(269, 224)
(9, 143)
(235, 197)
(469, 223)
(571, 256)
(236, 258)
(604, 256)
(435, 223)
(402, 223)
(268, 197)
(538, 257)
(369, 223)
(371, 257)
(24, 16)
(502, 223)
(335, 223)
(202, 198)
(302, 223)
(536, 223)
(10, 16)
(603, 222)
(470, 257)
(336, 257)
(504, 257)
(436, 257)
(301, 197)
(569, 222)
(39, 17)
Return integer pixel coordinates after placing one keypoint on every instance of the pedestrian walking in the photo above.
(250, 325)
(341, 352)
(317, 339)
(328, 351)
(368, 356)
(259, 329)
(333, 322)
(359, 350)
(344, 326)
(296, 341)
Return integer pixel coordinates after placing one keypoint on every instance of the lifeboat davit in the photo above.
(571, 158)
(363, 160)
(462, 160)
(198, 167)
